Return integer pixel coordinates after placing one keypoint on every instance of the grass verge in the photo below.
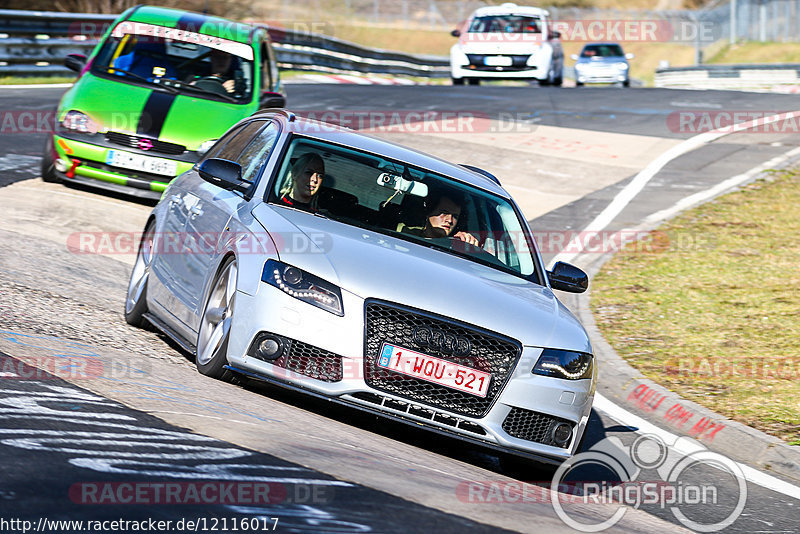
(710, 306)
(32, 80)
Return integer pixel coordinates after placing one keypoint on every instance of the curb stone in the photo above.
(627, 387)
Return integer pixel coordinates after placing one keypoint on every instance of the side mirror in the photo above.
(568, 278)
(75, 62)
(556, 35)
(456, 33)
(574, 57)
(225, 174)
(272, 100)
(629, 56)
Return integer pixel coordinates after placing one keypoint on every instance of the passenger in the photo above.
(441, 220)
(303, 182)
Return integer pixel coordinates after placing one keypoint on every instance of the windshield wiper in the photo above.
(115, 71)
(184, 85)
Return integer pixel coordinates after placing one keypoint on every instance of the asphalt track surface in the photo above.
(39, 482)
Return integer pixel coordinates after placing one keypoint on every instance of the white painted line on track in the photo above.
(619, 203)
(730, 183)
(624, 417)
(629, 192)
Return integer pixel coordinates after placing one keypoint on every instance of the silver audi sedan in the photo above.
(333, 263)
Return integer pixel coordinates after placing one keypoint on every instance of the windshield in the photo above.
(143, 53)
(405, 201)
(605, 50)
(505, 24)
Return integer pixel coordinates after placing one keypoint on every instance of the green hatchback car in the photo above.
(158, 90)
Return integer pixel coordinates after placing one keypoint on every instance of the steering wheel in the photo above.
(211, 83)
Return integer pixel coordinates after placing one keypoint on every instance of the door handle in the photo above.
(195, 211)
(174, 199)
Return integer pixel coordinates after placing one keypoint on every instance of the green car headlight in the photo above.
(564, 364)
(303, 286)
(79, 122)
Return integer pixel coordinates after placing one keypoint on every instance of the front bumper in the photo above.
(601, 76)
(508, 424)
(83, 160)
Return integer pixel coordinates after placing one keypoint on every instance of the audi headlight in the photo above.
(303, 286)
(79, 122)
(621, 66)
(564, 364)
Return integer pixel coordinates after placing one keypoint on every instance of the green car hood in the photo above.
(184, 119)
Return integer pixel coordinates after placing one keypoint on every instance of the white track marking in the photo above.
(624, 417)
(629, 192)
(619, 203)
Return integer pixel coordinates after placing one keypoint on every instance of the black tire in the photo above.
(136, 297)
(474, 81)
(578, 84)
(48, 166)
(458, 81)
(214, 334)
(626, 83)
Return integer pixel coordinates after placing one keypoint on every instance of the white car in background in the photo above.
(507, 42)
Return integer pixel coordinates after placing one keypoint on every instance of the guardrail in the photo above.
(770, 77)
(34, 43)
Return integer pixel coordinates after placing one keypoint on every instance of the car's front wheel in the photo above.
(215, 324)
(48, 164)
(458, 81)
(474, 81)
(136, 299)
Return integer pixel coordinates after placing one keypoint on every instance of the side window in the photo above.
(253, 158)
(236, 143)
(266, 68)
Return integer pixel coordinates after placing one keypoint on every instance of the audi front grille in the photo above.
(443, 338)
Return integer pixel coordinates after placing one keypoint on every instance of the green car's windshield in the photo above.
(402, 200)
(187, 62)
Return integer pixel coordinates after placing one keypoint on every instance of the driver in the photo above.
(441, 220)
(303, 183)
(220, 67)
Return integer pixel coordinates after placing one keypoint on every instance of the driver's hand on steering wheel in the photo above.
(467, 238)
(229, 85)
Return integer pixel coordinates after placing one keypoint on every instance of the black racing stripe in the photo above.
(154, 114)
(191, 22)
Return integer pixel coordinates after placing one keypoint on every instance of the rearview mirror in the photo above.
(456, 33)
(75, 62)
(574, 57)
(629, 56)
(398, 183)
(225, 174)
(569, 278)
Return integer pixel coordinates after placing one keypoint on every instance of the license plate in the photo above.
(127, 160)
(452, 375)
(497, 61)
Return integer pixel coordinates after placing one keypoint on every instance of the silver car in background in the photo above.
(602, 63)
(344, 297)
